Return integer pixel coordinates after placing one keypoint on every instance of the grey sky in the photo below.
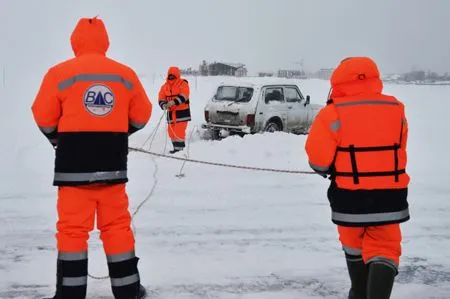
(150, 35)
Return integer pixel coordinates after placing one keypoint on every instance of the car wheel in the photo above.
(211, 134)
(272, 127)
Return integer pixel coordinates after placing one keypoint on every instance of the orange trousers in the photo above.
(177, 131)
(77, 208)
(373, 243)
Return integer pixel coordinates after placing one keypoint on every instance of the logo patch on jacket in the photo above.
(99, 100)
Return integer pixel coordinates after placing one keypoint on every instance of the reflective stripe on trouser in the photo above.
(373, 242)
(177, 133)
(77, 207)
(72, 271)
(352, 254)
(124, 274)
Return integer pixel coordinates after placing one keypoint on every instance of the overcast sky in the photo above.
(151, 35)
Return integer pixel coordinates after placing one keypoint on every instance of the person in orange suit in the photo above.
(174, 98)
(359, 140)
(87, 107)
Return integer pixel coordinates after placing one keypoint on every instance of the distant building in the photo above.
(265, 74)
(189, 72)
(297, 74)
(241, 72)
(227, 69)
(324, 74)
(392, 78)
(203, 69)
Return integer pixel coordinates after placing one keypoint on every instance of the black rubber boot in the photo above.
(174, 151)
(125, 281)
(70, 270)
(142, 292)
(358, 272)
(381, 280)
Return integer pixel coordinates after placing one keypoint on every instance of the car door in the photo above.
(275, 105)
(297, 114)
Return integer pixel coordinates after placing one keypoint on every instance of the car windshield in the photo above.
(234, 94)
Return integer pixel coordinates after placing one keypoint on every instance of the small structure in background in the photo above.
(203, 69)
(189, 72)
(222, 69)
(296, 74)
(227, 69)
(324, 74)
(265, 74)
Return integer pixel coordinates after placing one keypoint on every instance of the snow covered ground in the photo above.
(220, 232)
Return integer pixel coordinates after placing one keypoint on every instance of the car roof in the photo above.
(256, 85)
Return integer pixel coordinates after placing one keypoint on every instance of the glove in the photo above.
(168, 105)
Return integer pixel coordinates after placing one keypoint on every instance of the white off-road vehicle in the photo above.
(252, 108)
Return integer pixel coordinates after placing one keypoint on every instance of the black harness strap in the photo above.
(367, 149)
(354, 165)
(356, 174)
(396, 147)
(371, 174)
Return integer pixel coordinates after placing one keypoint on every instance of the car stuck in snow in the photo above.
(252, 108)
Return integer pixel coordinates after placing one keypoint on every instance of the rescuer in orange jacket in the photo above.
(87, 107)
(174, 97)
(359, 139)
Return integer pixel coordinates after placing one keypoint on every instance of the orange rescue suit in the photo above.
(87, 107)
(360, 139)
(176, 90)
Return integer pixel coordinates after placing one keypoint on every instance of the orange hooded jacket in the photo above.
(88, 106)
(177, 90)
(360, 139)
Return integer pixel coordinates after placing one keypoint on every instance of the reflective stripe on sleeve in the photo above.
(335, 126)
(137, 125)
(321, 169)
(47, 130)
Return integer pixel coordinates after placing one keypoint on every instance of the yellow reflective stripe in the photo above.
(94, 78)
